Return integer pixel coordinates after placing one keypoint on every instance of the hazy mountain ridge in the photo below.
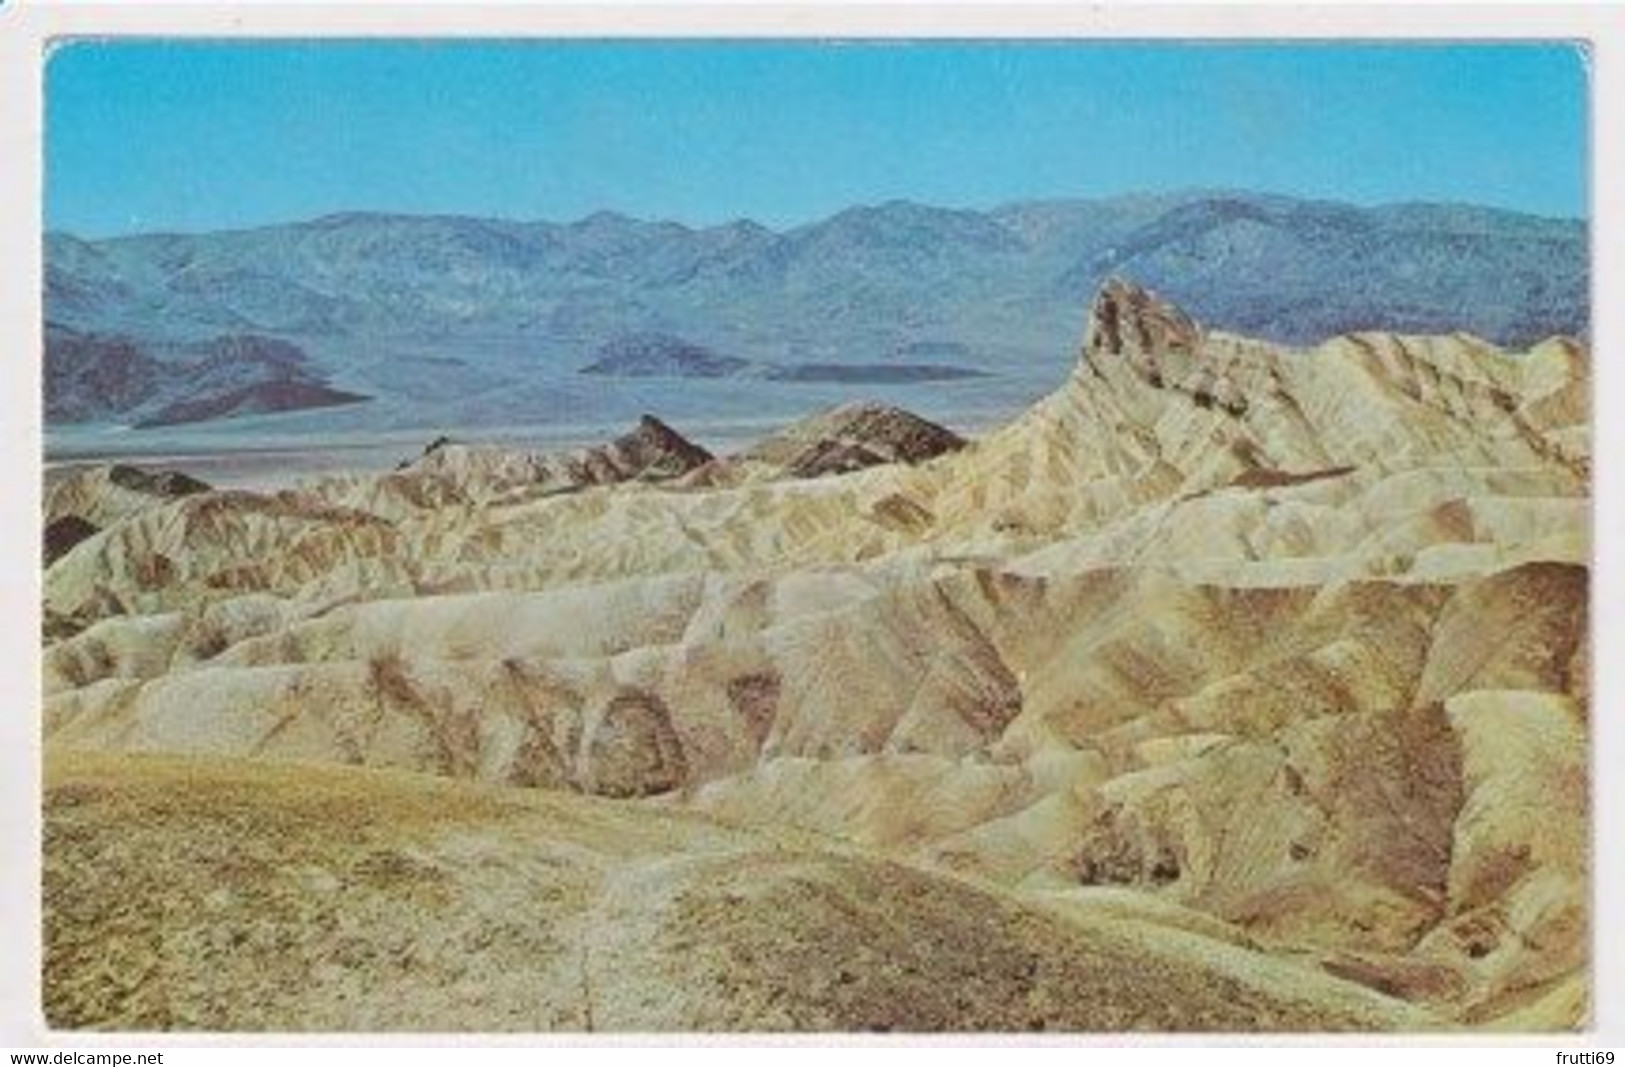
(655, 355)
(100, 376)
(860, 287)
(663, 355)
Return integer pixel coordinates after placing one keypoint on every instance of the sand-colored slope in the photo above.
(974, 663)
(1275, 758)
(244, 897)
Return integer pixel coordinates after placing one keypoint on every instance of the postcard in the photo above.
(724, 534)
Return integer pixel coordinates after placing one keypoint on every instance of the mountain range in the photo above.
(474, 320)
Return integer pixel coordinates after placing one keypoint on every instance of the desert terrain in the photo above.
(1233, 686)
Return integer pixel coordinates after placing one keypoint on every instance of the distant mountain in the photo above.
(872, 373)
(647, 355)
(260, 398)
(90, 377)
(370, 296)
(661, 355)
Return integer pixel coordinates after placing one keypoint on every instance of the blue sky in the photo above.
(190, 136)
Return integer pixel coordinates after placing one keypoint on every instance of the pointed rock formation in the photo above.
(851, 437)
(655, 450)
(1126, 320)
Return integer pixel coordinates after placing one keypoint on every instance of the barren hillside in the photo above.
(1232, 686)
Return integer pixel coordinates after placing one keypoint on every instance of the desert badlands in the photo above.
(1231, 687)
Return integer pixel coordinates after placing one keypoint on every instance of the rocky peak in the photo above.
(1127, 320)
(654, 448)
(167, 483)
(1133, 329)
(902, 434)
(852, 436)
